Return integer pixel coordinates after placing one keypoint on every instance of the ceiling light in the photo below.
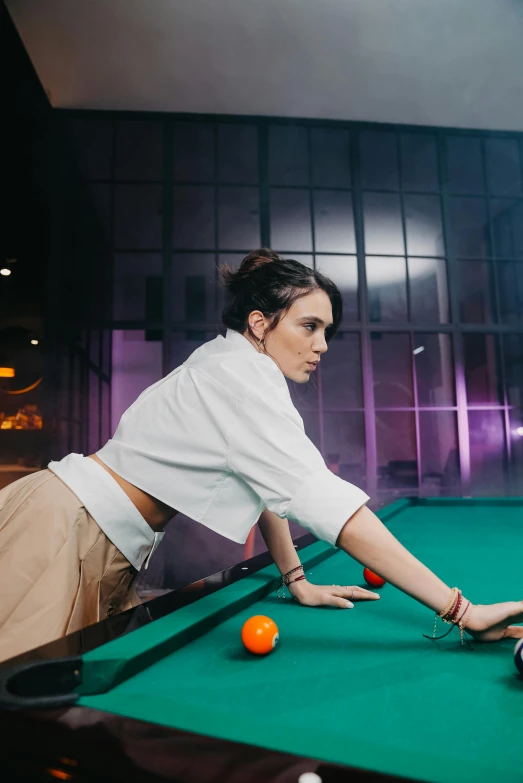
(5, 271)
(418, 350)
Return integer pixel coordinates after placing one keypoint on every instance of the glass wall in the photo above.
(421, 229)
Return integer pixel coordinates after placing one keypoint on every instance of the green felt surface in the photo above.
(359, 687)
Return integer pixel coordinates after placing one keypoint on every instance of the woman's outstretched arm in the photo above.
(367, 540)
(277, 536)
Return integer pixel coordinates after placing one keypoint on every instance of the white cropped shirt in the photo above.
(219, 439)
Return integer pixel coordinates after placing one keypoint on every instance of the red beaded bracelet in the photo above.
(298, 579)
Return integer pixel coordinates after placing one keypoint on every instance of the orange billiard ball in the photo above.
(372, 579)
(260, 634)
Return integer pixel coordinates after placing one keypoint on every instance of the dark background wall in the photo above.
(129, 215)
(421, 228)
(59, 291)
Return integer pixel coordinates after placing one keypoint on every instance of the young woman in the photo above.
(219, 440)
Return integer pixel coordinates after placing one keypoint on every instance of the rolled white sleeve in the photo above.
(270, 451)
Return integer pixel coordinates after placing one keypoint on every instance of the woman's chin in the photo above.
(300, 377)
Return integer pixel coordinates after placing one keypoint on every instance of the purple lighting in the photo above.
(519, 432)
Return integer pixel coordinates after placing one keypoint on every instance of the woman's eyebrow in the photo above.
(315, 319)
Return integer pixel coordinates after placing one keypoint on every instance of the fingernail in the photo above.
(349, 605)
(376, 595)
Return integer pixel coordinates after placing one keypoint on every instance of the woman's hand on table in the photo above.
(493, 622)
(307, 594)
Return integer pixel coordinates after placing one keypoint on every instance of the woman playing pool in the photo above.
(217, 439)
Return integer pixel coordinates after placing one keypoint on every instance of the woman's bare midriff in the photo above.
(155, 513)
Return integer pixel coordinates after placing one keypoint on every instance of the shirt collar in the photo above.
(238, 339)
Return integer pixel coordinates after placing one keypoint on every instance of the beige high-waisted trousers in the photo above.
(58, 570)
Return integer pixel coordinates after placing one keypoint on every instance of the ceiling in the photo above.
(455, 63)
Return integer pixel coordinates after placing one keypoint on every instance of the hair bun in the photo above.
(235, 281)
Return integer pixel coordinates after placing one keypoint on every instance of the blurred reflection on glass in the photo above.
(291, 219)
(138, 216)
(476, 290)
(507, 227)
(238, 218)
(194, 290)
(470, 234)
(516, 449)
(382, 223)
(137, 364)
(392, 366)
(510, 284)
(193, 217)
(341, 373)
(481, 368)
(387, 289)
(513, 356)
(343, 271)
(423, 225)
(344, 445)
(334, 222)
(440, 471)
(429, 296)
(434, 369)
(132, 279)
(487, 452)
(396, 450)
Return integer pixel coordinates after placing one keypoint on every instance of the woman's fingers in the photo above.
(331, 599)
(514, 632)
(354, 593)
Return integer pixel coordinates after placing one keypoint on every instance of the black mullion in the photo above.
(409, 312)
(263, 184)
(313, 239)
(167, 242)
(216, 193)
(214, 186)
(498, 342)
(112, 252)
(364, 331)
(456, 330)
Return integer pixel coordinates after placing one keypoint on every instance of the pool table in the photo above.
(167, 691)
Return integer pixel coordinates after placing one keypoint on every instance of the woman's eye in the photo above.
(310, 326)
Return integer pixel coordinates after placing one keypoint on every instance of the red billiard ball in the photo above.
(518, 656)
(260, 634)
(372, 579)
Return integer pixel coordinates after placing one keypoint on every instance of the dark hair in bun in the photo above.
(271, 284)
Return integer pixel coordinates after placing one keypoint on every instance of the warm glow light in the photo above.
(418, 350)
(34, 342)
(5, 271)
(58, 773)
(519, 432)
(7, 372)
